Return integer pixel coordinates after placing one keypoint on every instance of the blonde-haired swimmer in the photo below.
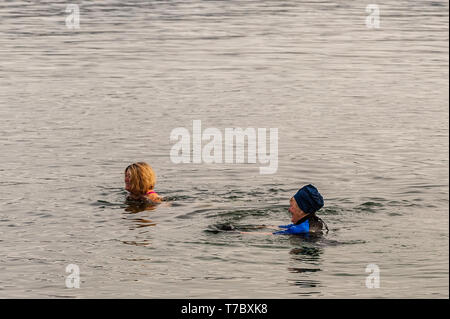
(140, 180)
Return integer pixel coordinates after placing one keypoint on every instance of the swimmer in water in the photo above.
(303, 207)
(140, 180)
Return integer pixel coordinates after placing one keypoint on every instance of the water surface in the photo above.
(361, 113)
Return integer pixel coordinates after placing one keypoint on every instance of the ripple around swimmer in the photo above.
(103, 204)
(376, 206)
(230, 227)
(171, 198)
(369, 207)
(331, 210)
(228, 215)
(238, 214)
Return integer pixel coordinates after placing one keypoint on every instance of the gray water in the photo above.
(362, 113)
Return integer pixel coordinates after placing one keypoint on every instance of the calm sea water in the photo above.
(361, 113)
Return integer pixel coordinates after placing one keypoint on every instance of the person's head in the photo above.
(296, 212)
(306, 201)
(139, 178)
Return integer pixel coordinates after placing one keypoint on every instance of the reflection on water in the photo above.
(306, 260)
(135, 207)
(141, 222)
(311, 252)
(302, 270)
(307, 284)
(135, 243)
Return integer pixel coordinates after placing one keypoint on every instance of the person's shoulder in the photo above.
(316, 225)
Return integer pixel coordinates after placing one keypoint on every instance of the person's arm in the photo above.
(284, 232)
(286, 226)
(255, 233)
(294, 230)
(268, 227)
(272, 227)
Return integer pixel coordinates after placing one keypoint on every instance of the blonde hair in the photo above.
(142, 178)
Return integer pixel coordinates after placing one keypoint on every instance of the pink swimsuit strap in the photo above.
(151, 192)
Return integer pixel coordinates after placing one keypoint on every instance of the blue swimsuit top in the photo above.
(301, 227)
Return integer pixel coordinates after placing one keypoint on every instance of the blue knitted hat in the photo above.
(309, 199)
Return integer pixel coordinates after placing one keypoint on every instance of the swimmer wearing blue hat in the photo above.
(303, 207)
